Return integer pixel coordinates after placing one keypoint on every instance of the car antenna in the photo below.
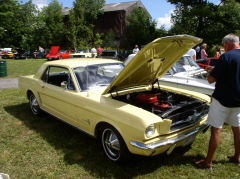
(87, 81)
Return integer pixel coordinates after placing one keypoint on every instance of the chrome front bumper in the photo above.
(164, 142)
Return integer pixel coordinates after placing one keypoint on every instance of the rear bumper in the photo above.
(167, 143)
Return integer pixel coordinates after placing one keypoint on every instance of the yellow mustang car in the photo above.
(125, 107)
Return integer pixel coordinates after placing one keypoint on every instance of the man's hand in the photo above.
(209, 77)
(209, 69)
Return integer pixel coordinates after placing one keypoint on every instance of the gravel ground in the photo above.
(8, 83)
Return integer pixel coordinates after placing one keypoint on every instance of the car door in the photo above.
(55, 99)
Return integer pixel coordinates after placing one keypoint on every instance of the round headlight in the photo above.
(150, 130)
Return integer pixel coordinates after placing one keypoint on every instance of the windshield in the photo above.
(184, 64)
(97, 76)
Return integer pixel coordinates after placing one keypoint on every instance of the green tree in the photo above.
(54, 32)
(98, 40)
(30, 25)
(80, 24)
(109, 39)
(204, 19)
(141, 29)
(8, 9)
(18, 24)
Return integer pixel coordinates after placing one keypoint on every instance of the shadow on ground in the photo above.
(85, 151)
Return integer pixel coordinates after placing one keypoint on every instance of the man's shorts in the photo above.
(219, 114)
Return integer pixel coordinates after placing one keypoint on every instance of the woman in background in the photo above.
(218, 52)
(204, 54)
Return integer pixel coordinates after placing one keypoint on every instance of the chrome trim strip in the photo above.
(185, 84)
(69, 123)
(165, 142)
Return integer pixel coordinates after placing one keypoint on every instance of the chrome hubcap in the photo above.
(111, 142)
(34, 104)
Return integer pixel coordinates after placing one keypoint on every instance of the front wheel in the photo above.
(34, 105)
(114, 146)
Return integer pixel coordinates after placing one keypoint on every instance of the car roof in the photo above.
(71, 63)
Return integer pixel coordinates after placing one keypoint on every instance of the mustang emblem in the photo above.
(87, 120)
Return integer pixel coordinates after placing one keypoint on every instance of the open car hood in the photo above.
(152, 62)
(54, 50)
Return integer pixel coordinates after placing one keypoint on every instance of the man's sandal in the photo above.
(202, 165)
(233, 160)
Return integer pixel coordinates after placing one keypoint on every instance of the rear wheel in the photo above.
(113, 145)
(34, 105)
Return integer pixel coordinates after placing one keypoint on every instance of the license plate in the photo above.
(189, 140)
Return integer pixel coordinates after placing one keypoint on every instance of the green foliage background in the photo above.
(25, 26)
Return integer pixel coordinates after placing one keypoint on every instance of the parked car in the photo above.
(20, 54)
(2, 51)
(9, 55)
(211, 61)
(185, 74)
(110, 54)
(81, 53)
(124, 107)
(26, 54)
(56, 54)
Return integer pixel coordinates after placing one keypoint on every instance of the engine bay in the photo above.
(182, 110)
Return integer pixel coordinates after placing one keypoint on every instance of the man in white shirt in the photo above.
(192, 53)
(94, 52)
(136, 49)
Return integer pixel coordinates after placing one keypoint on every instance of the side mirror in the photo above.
(64, 85)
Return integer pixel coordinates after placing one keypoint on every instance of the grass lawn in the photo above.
(45, 148)
(22, 67)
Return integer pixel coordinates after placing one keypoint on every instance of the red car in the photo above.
(56, 54)
(211, 61)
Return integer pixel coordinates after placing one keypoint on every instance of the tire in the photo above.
(34, 105)
(114, 146)
(60, 58)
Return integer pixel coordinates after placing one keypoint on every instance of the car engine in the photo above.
(182, 110)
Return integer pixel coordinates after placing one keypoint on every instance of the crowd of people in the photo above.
(200, 52)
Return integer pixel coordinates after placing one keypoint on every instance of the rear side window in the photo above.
(56, 75)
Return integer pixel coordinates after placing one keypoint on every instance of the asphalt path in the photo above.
(8, 83)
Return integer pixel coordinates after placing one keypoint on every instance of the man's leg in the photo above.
(236, 135)
(213, 144)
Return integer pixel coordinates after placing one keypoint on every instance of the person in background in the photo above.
(99, 51)
(192, 53)
(204, 54)
(198, 52)
(94, 52)
(136, 49)
(218, 52)
(225, 104)
(41, 50)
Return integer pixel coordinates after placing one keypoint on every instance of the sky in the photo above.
(160, 10)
